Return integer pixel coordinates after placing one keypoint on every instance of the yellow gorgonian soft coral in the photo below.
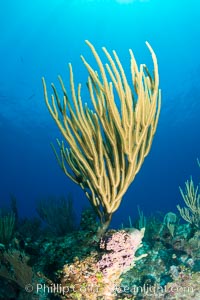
(106, 146)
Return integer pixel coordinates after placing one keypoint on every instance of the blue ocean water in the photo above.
(39, 38)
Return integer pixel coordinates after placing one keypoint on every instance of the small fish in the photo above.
(31, 97)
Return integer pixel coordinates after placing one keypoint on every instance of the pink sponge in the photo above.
(120, 248)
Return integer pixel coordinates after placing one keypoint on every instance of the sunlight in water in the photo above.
(130, 1)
